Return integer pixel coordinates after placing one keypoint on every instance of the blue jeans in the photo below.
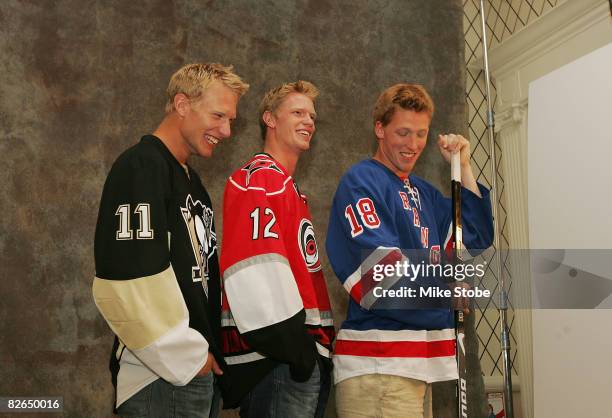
(279, 396)
(161, 399)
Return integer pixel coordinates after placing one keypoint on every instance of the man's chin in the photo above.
(206, 151)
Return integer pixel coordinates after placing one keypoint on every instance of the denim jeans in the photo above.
(161, 399)
(279, 396)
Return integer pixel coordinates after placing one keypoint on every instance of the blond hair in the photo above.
(275, 97)
(192, 79)
(405, 96)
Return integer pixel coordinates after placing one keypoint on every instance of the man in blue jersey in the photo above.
(388, 354)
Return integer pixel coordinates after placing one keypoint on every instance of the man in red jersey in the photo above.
(277, 324)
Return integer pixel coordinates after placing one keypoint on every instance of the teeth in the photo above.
(303, 132)
(211, 139)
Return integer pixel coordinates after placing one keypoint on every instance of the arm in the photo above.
(135, 288)
(477, 218)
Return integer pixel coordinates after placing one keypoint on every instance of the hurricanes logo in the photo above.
(199, 221)
(308, 246)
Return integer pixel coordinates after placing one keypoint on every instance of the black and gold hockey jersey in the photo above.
(157, 273)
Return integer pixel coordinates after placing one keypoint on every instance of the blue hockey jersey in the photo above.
(377, 218)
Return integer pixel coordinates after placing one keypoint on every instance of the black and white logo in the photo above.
(308, 246)
(199, 221)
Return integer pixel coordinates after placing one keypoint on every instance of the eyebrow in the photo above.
(223, 114)
(303, 109)
(418, 131)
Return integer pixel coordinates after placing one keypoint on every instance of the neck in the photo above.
(381, 159)
(169, 133)
(286, 157)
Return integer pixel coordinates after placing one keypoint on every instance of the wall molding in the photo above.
(547, 32)
(513, 116)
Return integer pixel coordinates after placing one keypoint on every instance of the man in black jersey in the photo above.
(157, 274)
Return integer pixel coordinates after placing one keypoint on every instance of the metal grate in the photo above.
(503, 18)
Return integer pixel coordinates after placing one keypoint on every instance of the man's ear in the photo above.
(379, 130)
(181, 104)
(268, 119)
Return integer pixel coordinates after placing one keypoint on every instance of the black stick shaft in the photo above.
(462, 388)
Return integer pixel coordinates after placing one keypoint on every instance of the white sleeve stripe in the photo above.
(177, 356)
(316, 317)
(243, 358)
(372, 259)
(387, 283)
(261, 293)
(401, 335)
(323, 350)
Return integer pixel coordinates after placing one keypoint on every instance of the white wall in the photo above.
(570, 207)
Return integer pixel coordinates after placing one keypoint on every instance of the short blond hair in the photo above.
(275, 97)
(405, 96)
(192, 79)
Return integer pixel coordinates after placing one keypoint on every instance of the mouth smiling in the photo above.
(407, 154)
(304, 133)
(211, 139)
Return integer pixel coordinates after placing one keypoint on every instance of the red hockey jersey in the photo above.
(275, 302)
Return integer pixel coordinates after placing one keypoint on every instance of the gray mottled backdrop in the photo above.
(83, 80)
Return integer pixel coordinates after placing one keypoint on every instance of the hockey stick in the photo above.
(458, 258)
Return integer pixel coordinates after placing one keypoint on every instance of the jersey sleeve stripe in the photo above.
(268, 280)
(178, 355)
(368, 299)
(141, 310)
(243, 358)
(150, 317)
(374, 258)
(316, 317)
(361, 283)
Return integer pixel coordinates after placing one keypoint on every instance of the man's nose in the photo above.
(226, 129)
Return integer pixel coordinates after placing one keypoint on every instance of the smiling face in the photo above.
(206, 121)
(292, 123)
(402, 140)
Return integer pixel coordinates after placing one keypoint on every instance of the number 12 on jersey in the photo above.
(367, 213)
(267, 232)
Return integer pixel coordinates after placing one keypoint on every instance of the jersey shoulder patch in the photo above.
(261, 173)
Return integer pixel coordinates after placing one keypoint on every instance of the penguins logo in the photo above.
(199, 221)
(308, 246)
